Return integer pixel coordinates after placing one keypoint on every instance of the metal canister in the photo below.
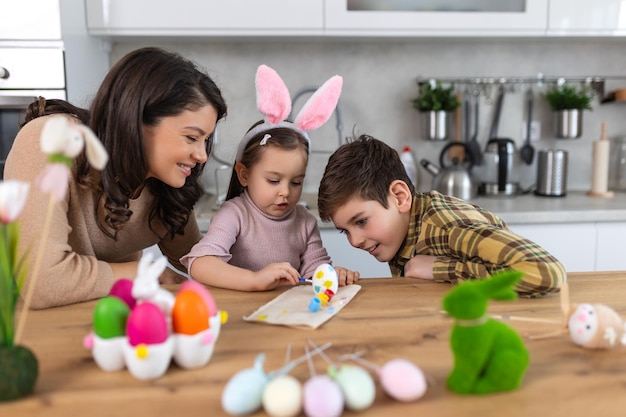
(552, 173)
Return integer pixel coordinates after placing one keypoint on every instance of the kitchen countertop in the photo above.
(576, 207)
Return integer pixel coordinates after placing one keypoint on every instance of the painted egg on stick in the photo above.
(322, 397)
(402, 380)
(243, 392)
(282, 397)
(357, 386)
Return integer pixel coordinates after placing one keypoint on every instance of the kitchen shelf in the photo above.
(485, 84)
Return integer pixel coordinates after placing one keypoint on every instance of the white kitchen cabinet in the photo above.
(30, 20)
(204, 18)
(343, 254)
(581, 246)
(332, 18)
(435, 17)
(574, 244)
(587, 18)
(611, 251)
(593, 246)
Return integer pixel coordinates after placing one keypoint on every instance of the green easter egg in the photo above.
(109, 317)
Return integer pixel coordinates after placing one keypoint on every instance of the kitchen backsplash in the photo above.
(380, 81)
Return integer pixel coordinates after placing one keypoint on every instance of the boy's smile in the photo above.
(373, 228)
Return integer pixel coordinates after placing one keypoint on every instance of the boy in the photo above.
(367, 194)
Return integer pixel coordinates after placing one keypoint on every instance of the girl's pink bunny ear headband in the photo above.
(274, 102)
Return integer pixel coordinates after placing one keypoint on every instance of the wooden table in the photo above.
(389, 318)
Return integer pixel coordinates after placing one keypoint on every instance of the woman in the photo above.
(155, 114)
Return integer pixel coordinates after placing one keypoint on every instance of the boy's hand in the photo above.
(420, 266)
(346, 276)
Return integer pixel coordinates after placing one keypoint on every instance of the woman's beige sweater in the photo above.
(75, 266)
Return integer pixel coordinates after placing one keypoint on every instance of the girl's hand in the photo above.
(276, 274)
(346, 276)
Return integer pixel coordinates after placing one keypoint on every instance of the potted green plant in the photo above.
(18, 365)
(568, 103)
(435, 102)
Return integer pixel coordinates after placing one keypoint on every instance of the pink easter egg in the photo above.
(122, 289)
(146, 325)
(322, 397)
(402, 380)
(203, 292)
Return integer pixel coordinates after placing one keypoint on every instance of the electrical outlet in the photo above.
(535, 130)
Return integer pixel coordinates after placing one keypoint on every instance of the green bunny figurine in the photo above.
(489, 356)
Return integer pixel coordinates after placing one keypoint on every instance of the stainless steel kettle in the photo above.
(500, 168)
(455, 179)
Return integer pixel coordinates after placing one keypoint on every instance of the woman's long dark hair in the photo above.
(145, 86)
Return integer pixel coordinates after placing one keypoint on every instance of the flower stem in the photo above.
(9, 294)
(36, 267)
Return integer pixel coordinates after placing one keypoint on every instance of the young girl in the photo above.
(261, 237)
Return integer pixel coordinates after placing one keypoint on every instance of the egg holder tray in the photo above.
(144, 335)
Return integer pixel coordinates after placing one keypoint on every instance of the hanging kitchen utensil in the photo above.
(460, 126)
(528, 152)
(473, 147)
(493, 134)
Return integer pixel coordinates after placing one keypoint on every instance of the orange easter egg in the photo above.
(203, 292)
(190, 314)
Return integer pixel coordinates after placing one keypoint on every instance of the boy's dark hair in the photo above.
(364, 167)
(281, 137)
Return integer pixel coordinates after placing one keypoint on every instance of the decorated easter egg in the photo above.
(322, 397)
(190, 314)
(109, 317)
(325, 278)
(402, 380)
(282, 397)
(203, 292)
(146, 325)
(243, 393)
(595, 326)
(357, 386)
(123, 289)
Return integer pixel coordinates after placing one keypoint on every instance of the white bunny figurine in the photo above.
(62, 141)
(146, 284)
